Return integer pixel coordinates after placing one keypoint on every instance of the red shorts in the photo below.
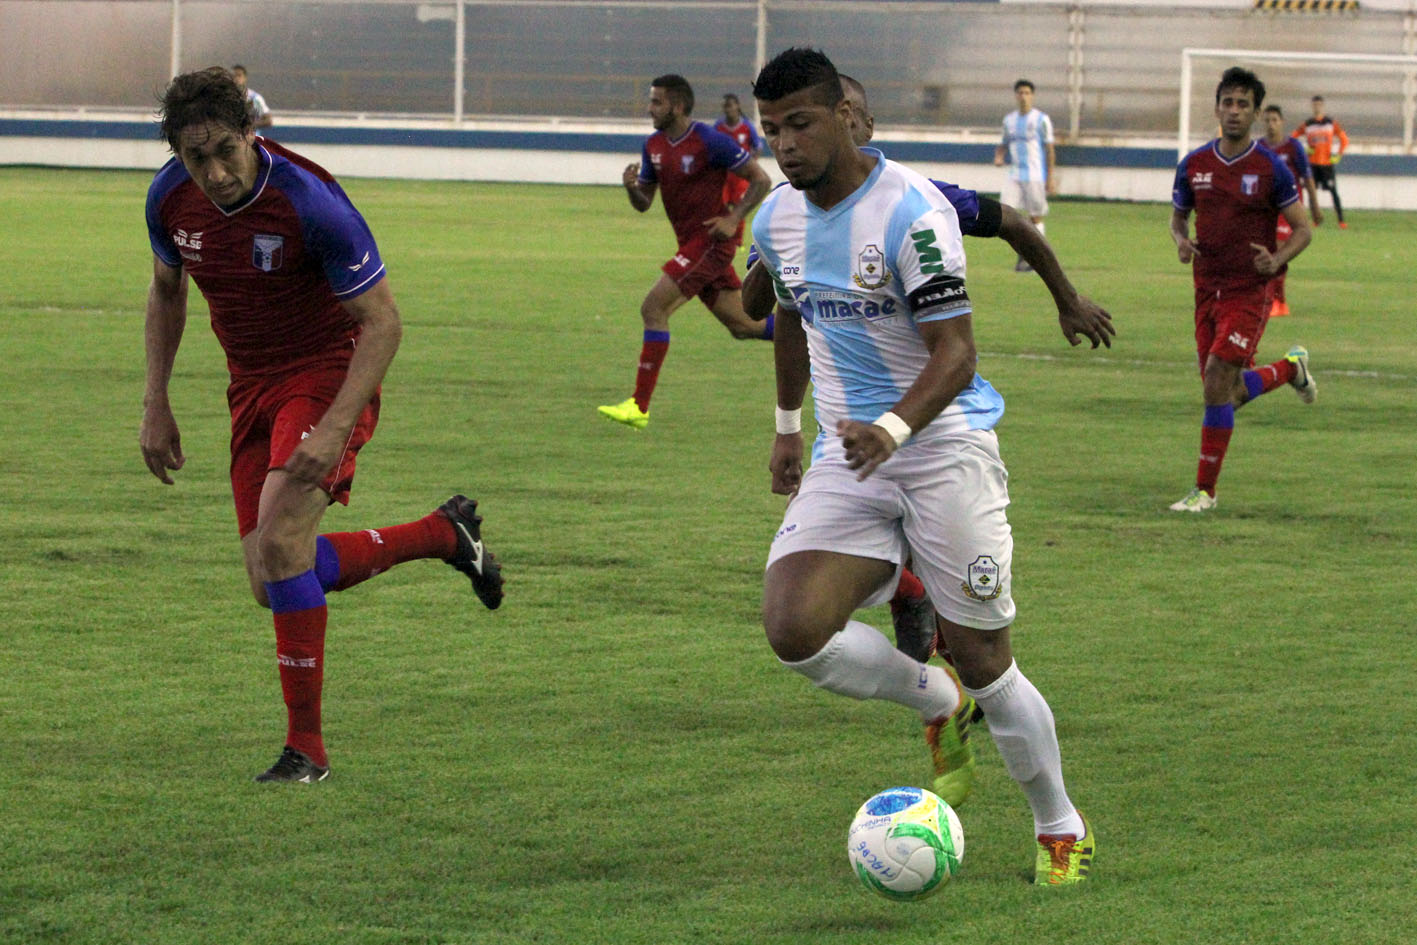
(704, 267)
(269, 418)
(1229, 323)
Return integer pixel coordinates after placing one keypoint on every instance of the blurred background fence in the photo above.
(1103, 70)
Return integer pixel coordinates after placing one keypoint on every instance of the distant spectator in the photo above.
(261, 116)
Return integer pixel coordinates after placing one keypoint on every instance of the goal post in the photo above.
(1385, 86)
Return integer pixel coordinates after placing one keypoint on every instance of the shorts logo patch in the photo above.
(984, 582)
(871, 271)
(267, 252)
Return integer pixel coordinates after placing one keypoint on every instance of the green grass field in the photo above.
(615, 756)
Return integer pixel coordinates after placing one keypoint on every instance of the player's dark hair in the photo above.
(1316, 98)
(1274, 108)
(795, 69)
(730, 97)
(677, 88)
(1237, 78)
(1024, 84)
(238, 66)
(209, 95)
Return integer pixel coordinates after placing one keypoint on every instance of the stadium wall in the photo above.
(596, 153)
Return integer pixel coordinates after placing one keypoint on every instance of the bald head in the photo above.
(863, 124)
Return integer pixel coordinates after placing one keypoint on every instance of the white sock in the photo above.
(1022, 726)
(858, 661)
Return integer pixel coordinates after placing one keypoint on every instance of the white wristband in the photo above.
(789, 421)
(896, 427)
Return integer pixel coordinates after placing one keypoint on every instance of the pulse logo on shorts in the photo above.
(983, 582)
(267, 252)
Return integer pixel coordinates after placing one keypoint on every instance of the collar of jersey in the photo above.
(855, 196)
(674, 142)
(263, 174)
(1215, 146)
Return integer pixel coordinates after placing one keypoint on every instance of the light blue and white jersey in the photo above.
(863, 276)
(1027, 138)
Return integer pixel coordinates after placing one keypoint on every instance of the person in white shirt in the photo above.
(1028, 144)
(261, 116)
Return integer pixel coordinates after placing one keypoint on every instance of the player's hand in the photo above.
(312, 460)
(160, 442)
(786, 463)
(1265, 263)
(1086, 317)
(1317, 216)
(867, 445)
(1186, 250)
(722, 228)
(631, 176)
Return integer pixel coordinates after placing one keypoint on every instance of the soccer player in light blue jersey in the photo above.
(1028, 144)
(866, 257)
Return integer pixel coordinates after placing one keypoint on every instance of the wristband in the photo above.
(896, 427)
(789, 421)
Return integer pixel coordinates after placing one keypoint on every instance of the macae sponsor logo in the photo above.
(983, 581)
(825, 305)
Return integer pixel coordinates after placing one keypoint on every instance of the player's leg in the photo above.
(727, 306)
(662, 300)
(1332, 185)
(963, 549)
(834, 554)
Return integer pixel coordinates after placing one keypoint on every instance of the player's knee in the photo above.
(745, 331)
(794, 633)
(278, 550)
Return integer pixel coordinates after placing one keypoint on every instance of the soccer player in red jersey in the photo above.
(690, 162)
(301, 306)
(740, 129)
(1238, 189)
(1291, 152)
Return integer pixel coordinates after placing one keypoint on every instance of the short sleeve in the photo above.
(1047, 124)
(966, 204)
(647, 174)
(1285, 190)
(930, 263)
(1302, 171)
(337, 235)
(163, 246)
(1182, 198)
(722, 150)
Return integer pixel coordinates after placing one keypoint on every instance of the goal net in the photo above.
(1373, 95)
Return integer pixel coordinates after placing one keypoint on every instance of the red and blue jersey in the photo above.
(744, 133)
(276, 267)
(691, 171)
(1296, 158)
(1237, 202)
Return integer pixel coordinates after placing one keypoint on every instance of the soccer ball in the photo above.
(905, 843)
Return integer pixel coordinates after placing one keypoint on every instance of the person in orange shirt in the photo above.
(1327, 143)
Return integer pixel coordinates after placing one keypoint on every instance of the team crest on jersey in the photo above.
(267, 252)
(687, 162)
(984, 581)
(1249, 184)
(871, 271)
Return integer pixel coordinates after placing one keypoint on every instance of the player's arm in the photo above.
(724, 227)
(381, 329)
(793, 369)
(1076, 313)
(950, 342)
(1050, 154)
(165, 319)
(641, 192)
(1186, 250)
(758, 294)
(1342, 149)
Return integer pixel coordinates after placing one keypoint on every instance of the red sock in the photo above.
(909, 587)
(1214, 442)
(298, 606)
(656, 346)
(361, 555)
(1275, 375)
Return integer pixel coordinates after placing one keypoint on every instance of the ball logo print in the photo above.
(905, 843)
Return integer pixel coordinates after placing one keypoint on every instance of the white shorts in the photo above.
(941, 503)
(1028, 197)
